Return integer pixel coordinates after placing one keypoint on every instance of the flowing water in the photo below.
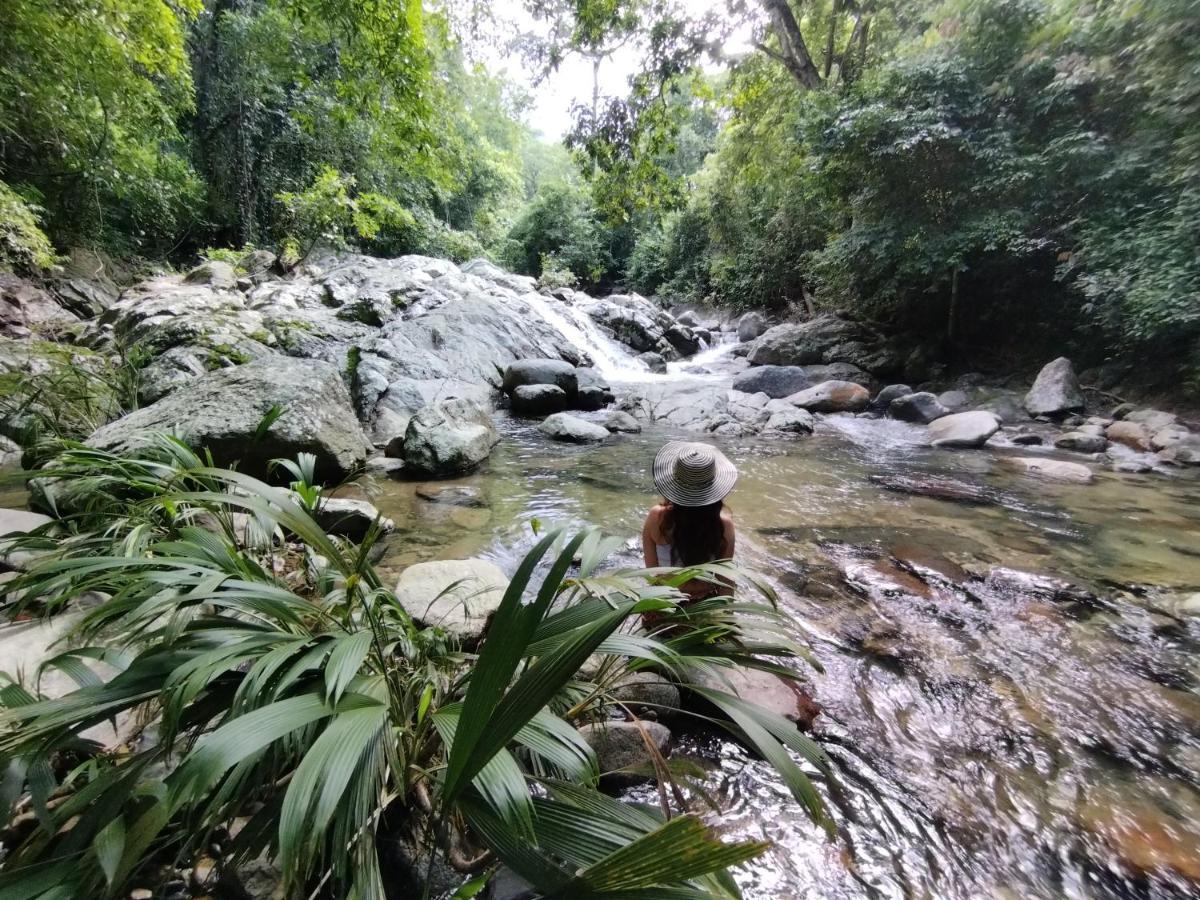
(1010, 671)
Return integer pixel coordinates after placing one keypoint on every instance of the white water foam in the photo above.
(609, 358)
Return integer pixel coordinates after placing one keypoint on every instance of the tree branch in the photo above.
(794, 52)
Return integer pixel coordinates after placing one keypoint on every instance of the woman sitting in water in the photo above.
(691, 526)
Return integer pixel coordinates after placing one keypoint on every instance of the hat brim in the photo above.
(725, 476)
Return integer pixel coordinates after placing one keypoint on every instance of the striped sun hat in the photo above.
(690, 474)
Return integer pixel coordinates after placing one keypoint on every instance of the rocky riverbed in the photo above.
(1001, 578)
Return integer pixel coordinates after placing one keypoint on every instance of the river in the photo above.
(993, 734)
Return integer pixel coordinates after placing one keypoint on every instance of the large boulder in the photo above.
(26, 309)
(922, 408)
(774, 381)
(457, 595)
(541, 371)
(967, 429)
(572, 429)
(884, 398)
(215, 273)
(826, 339)
(223, 412)
(1055, 391)
(750, 326)
(448, 438)
(594, 392)
(538, 399)
(832, 396)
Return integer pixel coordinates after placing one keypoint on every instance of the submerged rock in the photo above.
(1055, 391)
(457, 595)
(948, 489)
(572, 429)
(778, 695)
(223, 411)
(1053, 469)
(1082, 442)
(449, 438)
(832, 396)
(968, 429)
(955, 401)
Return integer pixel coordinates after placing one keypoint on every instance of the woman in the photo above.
(691, 526)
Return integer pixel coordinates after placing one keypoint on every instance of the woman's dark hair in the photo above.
(697, 532)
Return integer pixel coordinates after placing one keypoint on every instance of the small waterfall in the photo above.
(610, 359)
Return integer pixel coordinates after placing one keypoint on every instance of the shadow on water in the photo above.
(1011, 669)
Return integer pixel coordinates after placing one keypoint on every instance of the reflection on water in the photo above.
(1010, 676)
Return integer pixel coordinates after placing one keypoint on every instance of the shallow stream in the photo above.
(994, 735)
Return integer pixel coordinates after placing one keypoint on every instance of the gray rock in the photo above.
(654, 361)
(1171, 436)
(922, 407)
(593, 392)
(350, 518)
(538, 399)
(453, 495)
(14, 523)
(1055, 391)
(790, 421)
(448, 438)
(1082, 442)
(832, 396)
(217, 274)
(1053, 469)
(621, 745)
(621, 421)
(457, 595)
(1153, 420)
(572, 429)
(688, 319)
(541, 371)
(1027, 440)
(955, 401)
(258, 263)
(892, 392)
(10, 452)
(222, 412)
(647, 693)
(750, 326)
(774, 381)
(968, 429)
(26, 309)
(682, 338)
(804, 343)
(385, 466)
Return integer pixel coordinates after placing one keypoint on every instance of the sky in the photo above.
(554, 96)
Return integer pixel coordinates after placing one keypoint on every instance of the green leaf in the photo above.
(344, 663)
(109, 845)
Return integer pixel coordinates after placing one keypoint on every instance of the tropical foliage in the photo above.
(280, 685)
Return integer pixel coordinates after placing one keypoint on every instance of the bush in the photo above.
(24, 247)
(561, 224)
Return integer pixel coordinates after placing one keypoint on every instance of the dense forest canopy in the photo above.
(985, 174)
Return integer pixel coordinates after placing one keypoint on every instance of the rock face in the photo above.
(538, 399)
(774, 381)
(750, 326)
(621, 745)
(832, 396)
(922, 407)
(26, 309)
(1055, 391)
(222, 411)
(1053, 469)
(572, 429)
(968, 429)
(458, 595)
(826, 339)
(448, 438)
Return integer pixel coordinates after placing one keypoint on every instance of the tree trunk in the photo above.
(829, 39)
(952, 317)
(793, 52)
(855, 54)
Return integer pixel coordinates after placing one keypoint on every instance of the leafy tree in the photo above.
(560, 226)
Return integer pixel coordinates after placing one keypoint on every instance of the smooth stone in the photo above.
(350, 518)
(790, 421)
(1053, 469)
(832, 396)
(1081, 442)
(538, 399)
(1055, 391)
(955, 401)
(1153, 419)
(892, 392)
(457, 595)
(1131, 434)
(541, 371)
(968, 429)
(922, 408)
(572, 429)
(621, 421)
(621, 745)
(774, 381)
(648, 693)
